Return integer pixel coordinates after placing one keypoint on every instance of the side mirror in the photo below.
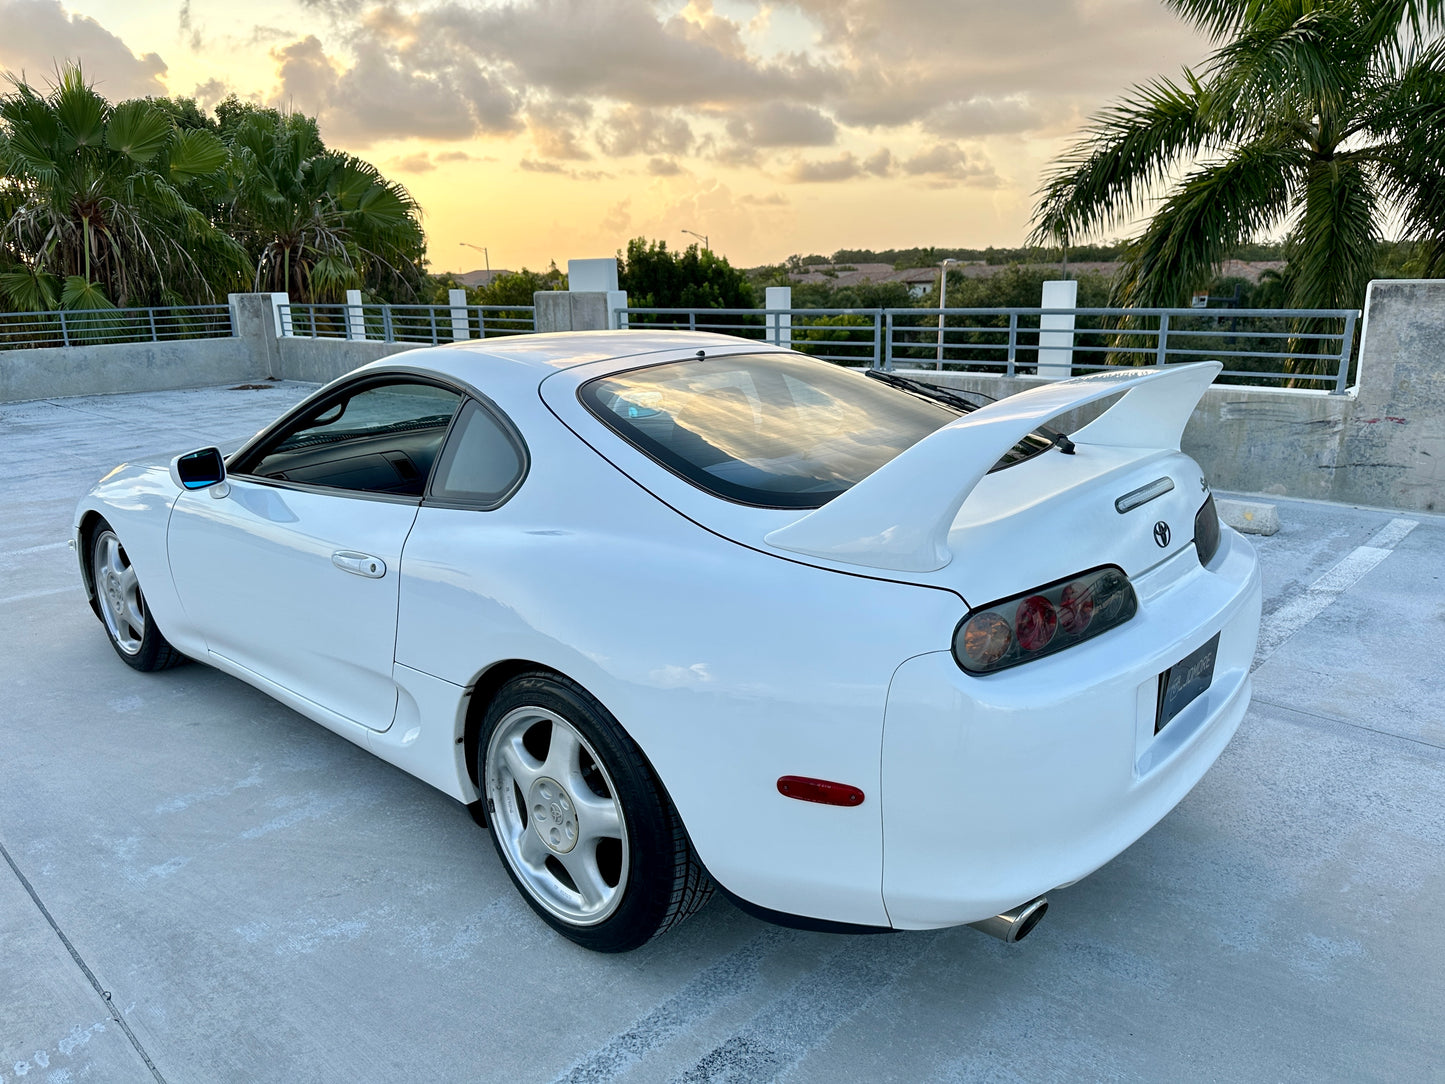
(199, 470)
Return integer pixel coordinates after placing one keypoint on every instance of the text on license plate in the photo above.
(1185, 680)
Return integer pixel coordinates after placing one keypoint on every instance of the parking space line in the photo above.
(35, 549)
(1301, 610)
(36, 594)
(716, 985)
(80, 963)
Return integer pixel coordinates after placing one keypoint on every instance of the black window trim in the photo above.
(258, 445)
(509, 430)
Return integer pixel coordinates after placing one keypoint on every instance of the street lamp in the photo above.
(485, 258)
(701, 237)
(942, 294)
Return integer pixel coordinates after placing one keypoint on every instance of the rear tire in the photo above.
(580, 821)
(121, 606)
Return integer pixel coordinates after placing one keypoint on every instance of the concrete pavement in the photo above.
(199, 885)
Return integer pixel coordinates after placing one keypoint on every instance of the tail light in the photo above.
(1036, 623)
(1206, 531)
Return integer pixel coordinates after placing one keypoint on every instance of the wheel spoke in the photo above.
(133, 617)
(112, 556)
(597, 818)
(582, 865)
(562, 758)
(519, 762)
(532, 850)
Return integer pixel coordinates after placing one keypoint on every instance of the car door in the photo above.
(292, 572)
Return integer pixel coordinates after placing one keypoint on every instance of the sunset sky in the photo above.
(557, 129)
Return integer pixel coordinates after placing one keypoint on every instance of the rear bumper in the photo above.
(997, 789)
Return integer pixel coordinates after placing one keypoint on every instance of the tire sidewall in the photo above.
(152, 644)
(647, 817)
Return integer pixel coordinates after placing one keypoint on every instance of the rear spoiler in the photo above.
(899, 516)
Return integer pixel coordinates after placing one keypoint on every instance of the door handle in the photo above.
(359, 564)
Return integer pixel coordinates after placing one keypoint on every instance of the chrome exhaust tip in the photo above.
(1016, 924)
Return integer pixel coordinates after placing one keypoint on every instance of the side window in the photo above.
(380, 439)
(482, 462)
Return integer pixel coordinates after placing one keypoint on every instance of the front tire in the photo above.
(122, 608)
(581, 823)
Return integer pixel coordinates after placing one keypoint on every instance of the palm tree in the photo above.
(316, 221)
(1319, 117)
(98, 203)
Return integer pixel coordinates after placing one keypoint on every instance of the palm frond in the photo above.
(1215, 209)
(1129, 148)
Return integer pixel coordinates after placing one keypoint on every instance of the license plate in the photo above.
(1185, 680)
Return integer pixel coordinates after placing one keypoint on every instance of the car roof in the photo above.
(551, 352)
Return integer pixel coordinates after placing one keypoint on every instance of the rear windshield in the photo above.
(773, 430)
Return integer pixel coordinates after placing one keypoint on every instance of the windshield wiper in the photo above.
(956, 400)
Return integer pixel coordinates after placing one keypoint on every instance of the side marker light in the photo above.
(822, 791)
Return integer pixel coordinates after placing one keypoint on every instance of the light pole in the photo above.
(942, 294)
(701, 237)
(485, 258)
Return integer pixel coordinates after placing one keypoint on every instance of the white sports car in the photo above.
(671, 610)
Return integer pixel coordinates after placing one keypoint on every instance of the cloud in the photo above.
(844, 168)
(394, 90)
(40, 35)
(879, 163)
(772, 199)
(553, 126)
(638, 130)
(663, 167)
(413, 163)
(210, 92)
(897, 62)
(946, 164)
(980, 116)
(187, 26)
(783, 124)
(533, 165)
(626, 51)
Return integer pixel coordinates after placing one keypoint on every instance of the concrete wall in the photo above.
(49, 372)
(323, 360)
(1392, 450)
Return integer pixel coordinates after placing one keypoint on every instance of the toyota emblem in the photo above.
(1161, 533)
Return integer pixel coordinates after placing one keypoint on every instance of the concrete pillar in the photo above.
(461, 325)
(281, 320)
(355, 316)
(255, 319)
(598, 277)
(780, 325)
(1393, 447)
(563, 310)
(592, 276)
(1056, 330)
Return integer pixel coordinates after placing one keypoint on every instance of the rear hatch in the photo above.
(935, 515)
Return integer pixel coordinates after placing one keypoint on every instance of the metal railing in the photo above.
(431, 324)
(1309, 348)
(844, 336)
(90, 327)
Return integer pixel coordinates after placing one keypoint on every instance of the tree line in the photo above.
(152, 201)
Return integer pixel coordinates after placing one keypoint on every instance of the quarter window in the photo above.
(482, 463)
